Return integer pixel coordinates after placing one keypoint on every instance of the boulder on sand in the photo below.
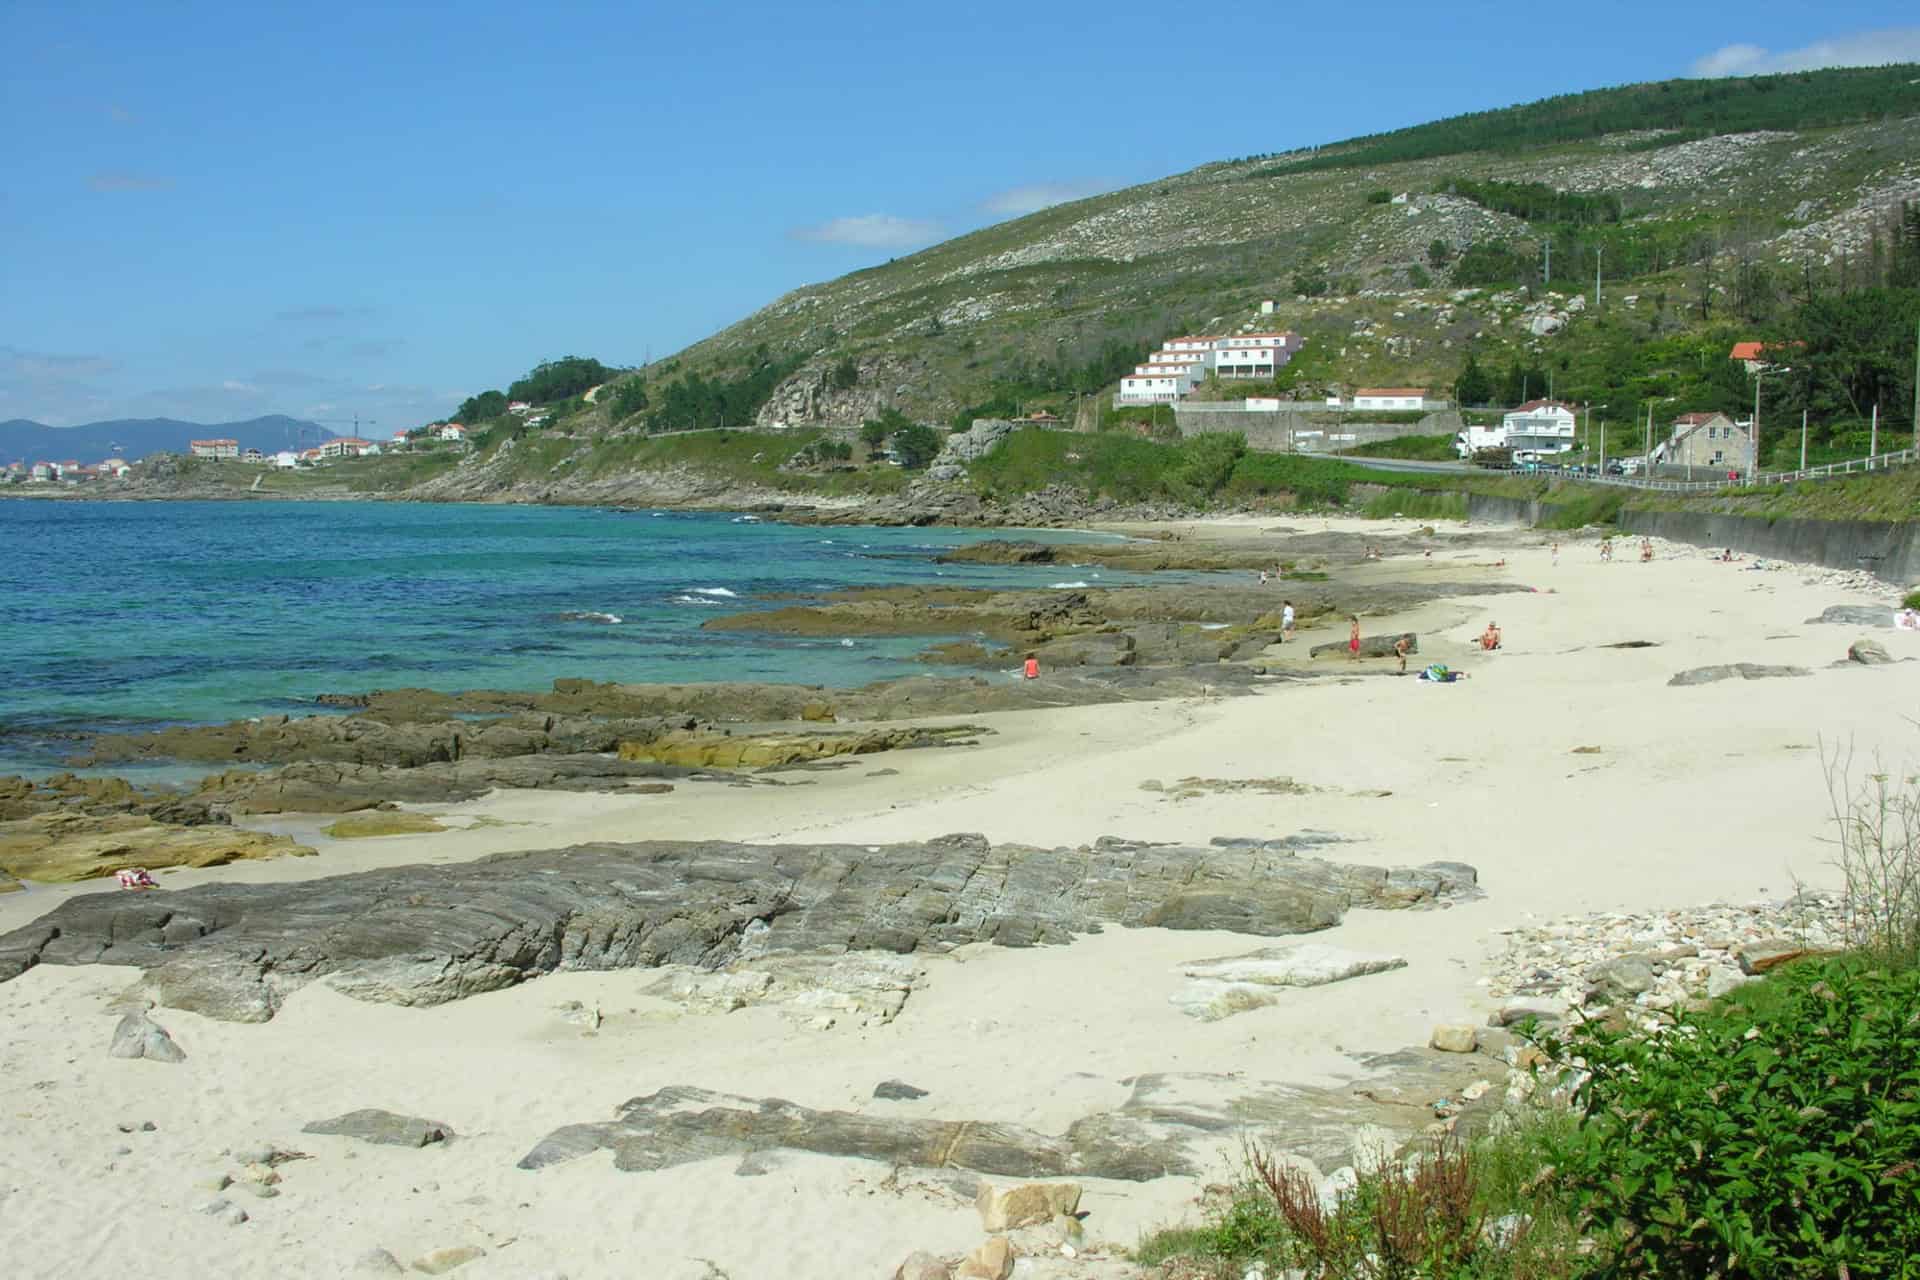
(1370, 646)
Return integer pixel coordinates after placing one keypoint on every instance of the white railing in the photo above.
(1853, 466)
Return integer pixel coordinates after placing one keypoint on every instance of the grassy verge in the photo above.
(1417, 448)
(1415, 505)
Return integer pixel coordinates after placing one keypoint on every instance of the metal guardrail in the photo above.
(1853, 466)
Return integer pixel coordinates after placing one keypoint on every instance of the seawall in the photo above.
(1887, 550)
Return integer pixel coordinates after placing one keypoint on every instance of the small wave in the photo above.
(846, 644)
(1067, 586)
(705, 601)
(720, 592)
(746, 519)
(605, 619)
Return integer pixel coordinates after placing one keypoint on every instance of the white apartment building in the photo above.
(1161, 383)
(1538, 426)
(1182, 364)
(347, 447)
(215, 448)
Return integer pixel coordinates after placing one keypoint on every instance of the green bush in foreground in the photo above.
(1775, 1135)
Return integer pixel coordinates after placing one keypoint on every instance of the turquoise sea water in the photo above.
(127, 615)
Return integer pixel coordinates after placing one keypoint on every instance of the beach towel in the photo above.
(135, 878)
(1439, 674)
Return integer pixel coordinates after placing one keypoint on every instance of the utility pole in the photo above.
(1803, 439)
(1646, 448)
(1753, 430)
(1596, 277)
(1873, 434)
(1549, 279)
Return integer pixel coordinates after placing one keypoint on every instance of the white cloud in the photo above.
(245, 388)
(120, 181)
(1043, 195)
(1866, 49)
(872, 231)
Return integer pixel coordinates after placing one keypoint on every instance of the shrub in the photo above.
(1452, 1212)
(1877, 837)
(1379, 197)
(1774, 1134)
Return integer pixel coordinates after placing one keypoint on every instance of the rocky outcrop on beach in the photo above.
(1735, 671)
(363, 739)
(428, 934)
(1370, 646)
(728, 751)
(1165, 1127)
(63, 847)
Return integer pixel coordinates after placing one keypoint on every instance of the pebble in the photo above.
(225, 1211)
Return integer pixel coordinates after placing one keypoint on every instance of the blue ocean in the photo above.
(122, 615)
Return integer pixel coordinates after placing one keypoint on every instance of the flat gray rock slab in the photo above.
(384, 1127)
(1228, 985)
(423, 935)
(1736, 671)
(1855, 615)
(1171, 1124)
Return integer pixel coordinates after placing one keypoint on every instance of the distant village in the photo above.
(223, 449)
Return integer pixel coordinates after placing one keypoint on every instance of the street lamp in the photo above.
(1646, 452)
(1753, 434)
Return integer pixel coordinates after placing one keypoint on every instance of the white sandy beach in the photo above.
(1697, 794)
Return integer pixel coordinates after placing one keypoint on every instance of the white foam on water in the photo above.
(714, 591)
(1067, 586)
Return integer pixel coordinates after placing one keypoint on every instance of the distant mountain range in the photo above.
(135, 438)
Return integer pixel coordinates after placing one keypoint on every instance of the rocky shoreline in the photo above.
(1204, 637)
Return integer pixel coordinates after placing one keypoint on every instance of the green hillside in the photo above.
(1711, 211)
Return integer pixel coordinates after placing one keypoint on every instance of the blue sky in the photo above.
(213, 211)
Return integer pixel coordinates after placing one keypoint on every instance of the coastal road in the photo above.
(1409, 464)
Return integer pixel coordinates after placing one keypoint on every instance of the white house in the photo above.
(1538, 426)
(1390, 398)
(520, 407)
(41, 472)
(215, 448)
(450, 431)
(115, 467)
(286, 460)
(1159, 383)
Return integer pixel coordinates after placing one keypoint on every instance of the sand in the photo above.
(1711, 793)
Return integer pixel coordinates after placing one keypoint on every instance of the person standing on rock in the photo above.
(1353, 637)
(1031, 670)
(1286, 621)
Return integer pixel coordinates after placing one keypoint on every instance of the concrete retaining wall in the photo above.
(1889, 551)
(1305, 431)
